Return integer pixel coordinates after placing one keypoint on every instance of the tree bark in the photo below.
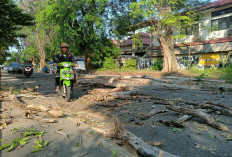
(152, 113)
(141, 146)
(170, 63)
(41, 44)
(164, 34)
(0, 78)
(201, 115)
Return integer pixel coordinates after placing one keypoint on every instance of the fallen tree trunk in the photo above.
(152, 113)
(201, 115)
(172, 123)
(16, 101)
(216, 108)
(144, 148)
(103, 91)
(141, 146)
(183, 118)
(36, 87)
(29, 115)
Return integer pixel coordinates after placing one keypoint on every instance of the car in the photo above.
(15, 68)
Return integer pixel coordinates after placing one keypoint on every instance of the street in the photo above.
(93, 101)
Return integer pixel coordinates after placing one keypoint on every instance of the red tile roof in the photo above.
(216, 4)
(146, 41)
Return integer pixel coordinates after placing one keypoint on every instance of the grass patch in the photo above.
(125, 70)
(204, 74)
(227, 73)
(15, 92)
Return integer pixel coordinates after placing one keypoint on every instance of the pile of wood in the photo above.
(35, 111)
(188, 110)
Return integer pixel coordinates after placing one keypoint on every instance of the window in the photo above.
(190, 30)
(221, 12)
(223, 23)
(214, 25)
(230, 22)
(195, 29)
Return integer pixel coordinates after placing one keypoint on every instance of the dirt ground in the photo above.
(91, 105)
(150, 73)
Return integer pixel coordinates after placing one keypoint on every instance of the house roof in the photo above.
(146, 40)
(216, 4)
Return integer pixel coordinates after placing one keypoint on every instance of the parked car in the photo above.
(15, 68)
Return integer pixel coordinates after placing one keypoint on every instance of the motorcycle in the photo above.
(66, 79)
(28, 71)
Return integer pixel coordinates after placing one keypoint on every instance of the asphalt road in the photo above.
(196, 140)
(83, 141)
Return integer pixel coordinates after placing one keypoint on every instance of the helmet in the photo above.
(64, 45)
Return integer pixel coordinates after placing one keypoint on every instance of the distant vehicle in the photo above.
(28, 70)
(45, 69)
(51, 67)
(15, 68)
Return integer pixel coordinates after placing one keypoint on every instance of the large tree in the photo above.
(163, 16)
(83, 24)
(12, 19)
(88, 26)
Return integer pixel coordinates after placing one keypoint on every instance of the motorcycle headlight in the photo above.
(66, 65)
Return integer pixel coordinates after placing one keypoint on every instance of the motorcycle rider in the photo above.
(64, 56)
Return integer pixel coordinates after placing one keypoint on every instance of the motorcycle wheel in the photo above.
(68, 93)
(62, 91)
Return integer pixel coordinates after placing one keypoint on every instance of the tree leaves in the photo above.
(32, 132)
(16, 142)
(177, 129)
(114, 153)
(39, 145)
(12, 19)
(4, 146)
(12, 131)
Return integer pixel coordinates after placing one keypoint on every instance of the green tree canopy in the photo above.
(163, 16)
(12, 19)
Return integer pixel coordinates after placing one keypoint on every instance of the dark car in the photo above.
(15, 68)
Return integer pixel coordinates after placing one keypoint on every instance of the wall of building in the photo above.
(205, 32)
(202, 61)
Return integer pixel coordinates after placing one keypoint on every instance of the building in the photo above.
(207, 43)
(128, 47)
